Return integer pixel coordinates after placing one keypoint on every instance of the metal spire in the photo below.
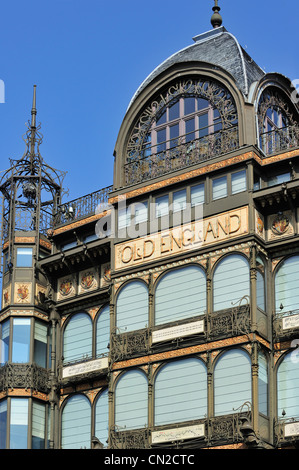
(216, 19)
(33, 126)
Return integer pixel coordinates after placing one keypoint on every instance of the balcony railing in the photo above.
(180, 154)
(279, 140)
(82, 207)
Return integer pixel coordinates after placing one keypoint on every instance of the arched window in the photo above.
(288, 386)
(287, 285)
(180, 294)
(191, 120)
(103, 331)
(132, 307)
(76, 423)
(231, 282)
(181, 392)
(278, 121)
(131, 401)
(232, 382)
(77, 338)
(102, 417)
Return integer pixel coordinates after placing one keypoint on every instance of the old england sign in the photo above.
(181, 239)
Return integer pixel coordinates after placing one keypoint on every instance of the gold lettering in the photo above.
(177, 241)
(152, 248)
(137, 254)
(130, 256)
(208, 230)
(219, 225)
(238, 223)
(189, 240)
(164, 244)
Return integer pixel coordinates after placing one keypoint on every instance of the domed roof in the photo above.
(217, 47)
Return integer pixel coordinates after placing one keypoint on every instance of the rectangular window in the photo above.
(203, 124)
(239, 182)
(4, 346)
(140, 212)
(24, 257)
(38, 425)
(179, 201)
(219, 187)
(197, 194)
(40, 343)
(279, 179)
(68, 246)
(174, 134)
(162, 206)
(3, 423)
(21, 339)
(124, 217)
(18, 423)
(161, 140)
(190, 130)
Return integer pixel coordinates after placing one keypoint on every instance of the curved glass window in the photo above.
(286, 285)
(19, 419)
(102, 418)
(103, 331)
(76, 423)
(132, 307)
(231, 282)
(21, 333)
(3, 423)
(232, 382)
(180, 294)
(4, 344)
(288, 386)
(131, 401)
(77, 338)
(181, 392)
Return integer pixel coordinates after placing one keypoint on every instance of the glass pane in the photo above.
(38, 425)
(217, 121)
(181, 392)
(203, 122)
(263, 384)
(24, 257)
(102, 418)
(190, 128)
(76, 423)
(239, 182)
(198, 194)
(40, 343)
(179, 201)
(4, 350)
(232, 382)
(124, 217)
(202, 103)
(162, 206)
(161, 119)
(174, 111)
(286, 286)
(219, 187)
(231, 282)
(68, 246)
(189, 105)
(103, 331)
(174, 134)
(3, 423)
(132, 307)
(141, 212)
(77, 341)
(288, 387)
(18, 423)
(278, 179)
(21, 339)
(161, 140)
(131, 401)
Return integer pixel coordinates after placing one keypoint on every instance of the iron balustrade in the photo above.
(82, 207)
(180, 153)
(278, 140)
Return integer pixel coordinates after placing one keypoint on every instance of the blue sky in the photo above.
(88, 57)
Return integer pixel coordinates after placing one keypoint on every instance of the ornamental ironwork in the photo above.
(187, 147)
(227, 429)
(28, 376)
(278, 122)
(130, 439)
(230, 322)
(129, 344)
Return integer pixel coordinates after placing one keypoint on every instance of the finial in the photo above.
(216, 19)
(33, 126)
(33, 110)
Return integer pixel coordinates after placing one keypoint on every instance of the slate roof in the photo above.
(217, 47)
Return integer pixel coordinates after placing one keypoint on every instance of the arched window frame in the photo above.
(169, 272)
(281, 409)
(244, 299)
(119, 329)
(205, 390)
(279, 309)
(246, 399)
(98, 334)
(79, 427)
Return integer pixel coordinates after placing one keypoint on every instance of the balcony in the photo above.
(28, 376)
(280, 140)
(82, 207)
(179, 154)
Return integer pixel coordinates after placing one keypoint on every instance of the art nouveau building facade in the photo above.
(162, 311)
